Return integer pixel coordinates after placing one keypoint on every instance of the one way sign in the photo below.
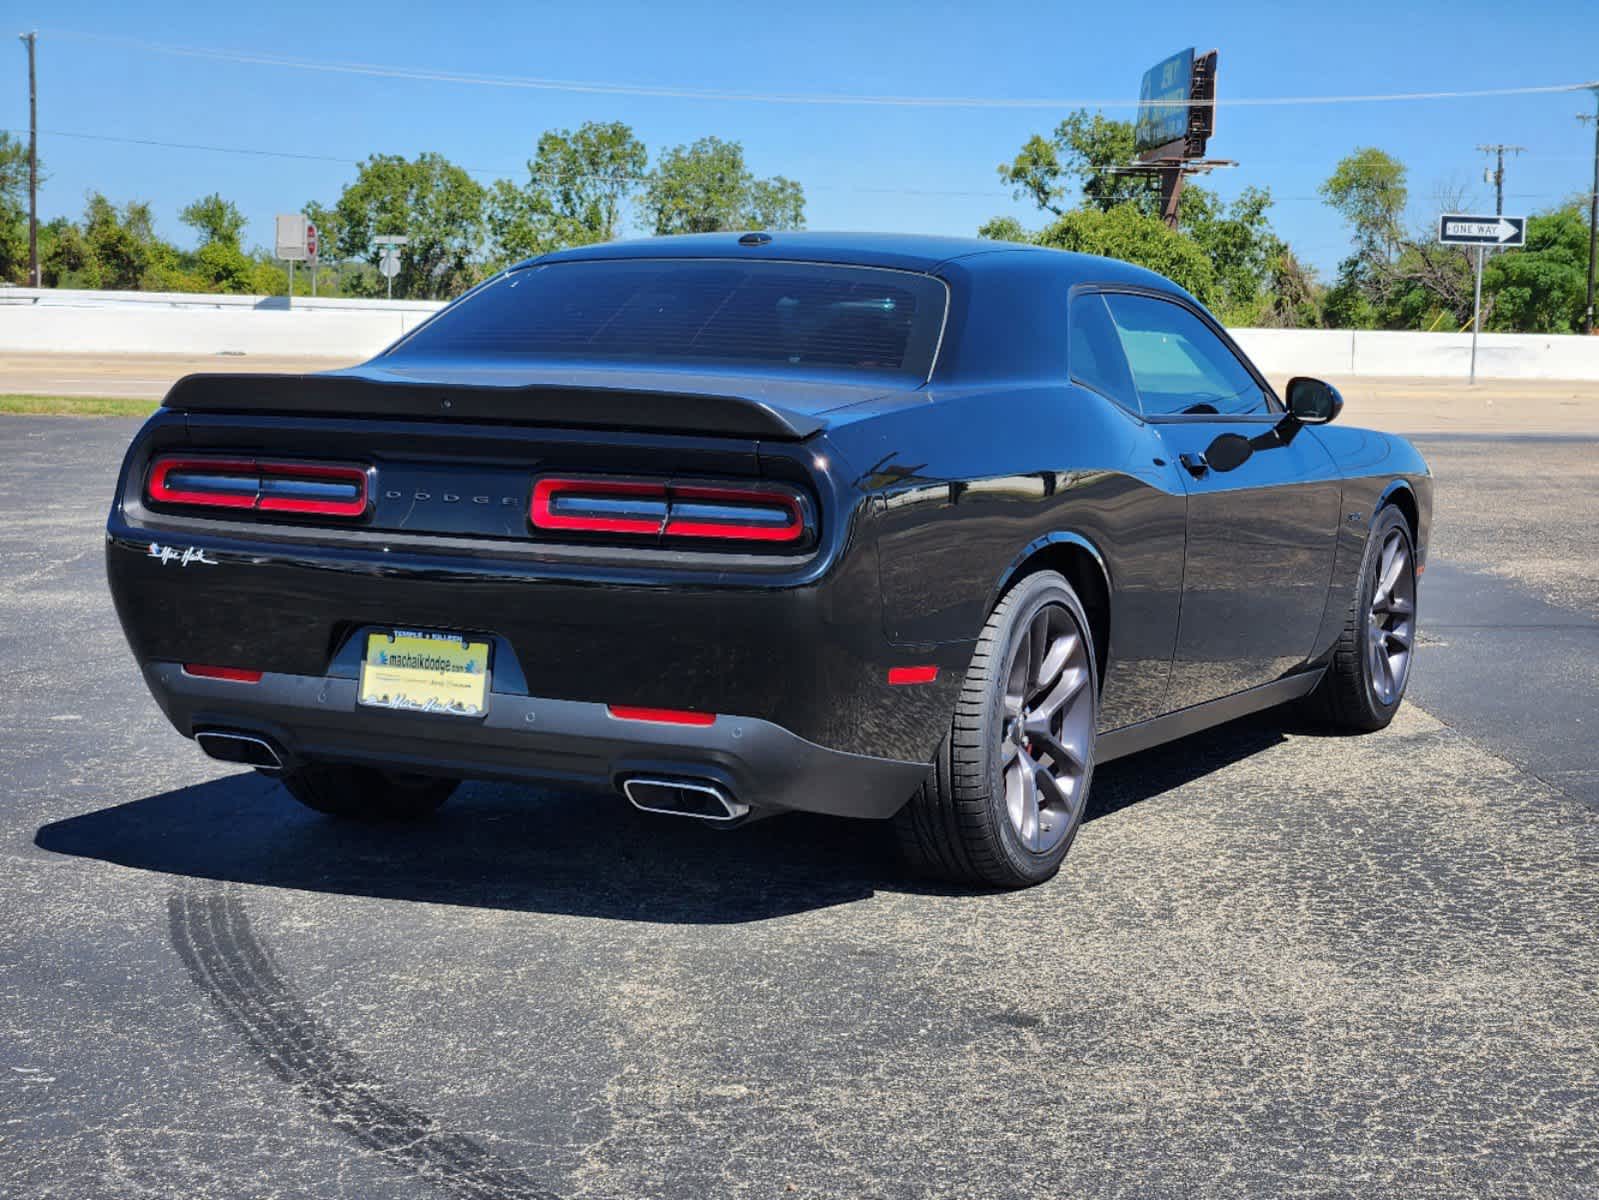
(1460, 229)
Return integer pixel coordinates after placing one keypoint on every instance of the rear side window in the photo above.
(1095, 354)
(1179, 365)
(782, 316)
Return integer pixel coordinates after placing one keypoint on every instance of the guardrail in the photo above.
(61, 321)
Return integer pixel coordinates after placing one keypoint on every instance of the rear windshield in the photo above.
(787, 316)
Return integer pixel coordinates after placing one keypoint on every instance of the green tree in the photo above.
(1125, 233)
(428, 199)
(1079, 158)
(119, 249)
(1004, 229)
(775, 203)
(1239, 241)
(13, 209)
(1368, 189)
(577, 189)
(705, 187)
(1543, 288)
(214, 219)
(219, 264)
(1223, 253)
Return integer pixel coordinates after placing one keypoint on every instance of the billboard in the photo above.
(1163, 103)
(1170, 125)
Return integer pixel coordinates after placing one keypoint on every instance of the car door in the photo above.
(1261, 531)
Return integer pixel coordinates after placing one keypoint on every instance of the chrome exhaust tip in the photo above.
(244, 748)
(697, 798)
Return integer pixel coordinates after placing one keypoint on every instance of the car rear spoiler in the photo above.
(531, 404)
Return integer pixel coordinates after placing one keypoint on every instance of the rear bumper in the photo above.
(570, 743)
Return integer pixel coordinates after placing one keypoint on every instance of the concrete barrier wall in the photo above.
(168, 323)
(175, 323)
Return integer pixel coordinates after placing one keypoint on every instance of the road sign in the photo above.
(1481, 233)
(291, 239)
(1462, 229)
(389, 264)
(310, 241)
(389, 239)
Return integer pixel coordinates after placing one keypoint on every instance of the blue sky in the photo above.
(915, 168)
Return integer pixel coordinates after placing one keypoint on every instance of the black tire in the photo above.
(365, 793)
(957, 826)
(1350, 695)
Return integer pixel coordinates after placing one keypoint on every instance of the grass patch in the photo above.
(79, 406)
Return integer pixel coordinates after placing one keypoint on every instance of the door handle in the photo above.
(1194, 463)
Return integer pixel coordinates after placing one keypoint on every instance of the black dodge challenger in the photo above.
(878, 526)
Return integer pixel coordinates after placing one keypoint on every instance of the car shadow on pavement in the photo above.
(519, 848)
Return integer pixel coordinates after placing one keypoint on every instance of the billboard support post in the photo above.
(1176, 118)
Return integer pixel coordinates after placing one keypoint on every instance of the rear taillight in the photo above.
(661, 716)
(647, 508)
(231, 674)
(316, 489)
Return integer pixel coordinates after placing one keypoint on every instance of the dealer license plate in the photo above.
(425, 672)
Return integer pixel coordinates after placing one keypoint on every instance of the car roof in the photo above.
(900, 251)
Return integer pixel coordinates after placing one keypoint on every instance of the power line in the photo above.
(432, 75)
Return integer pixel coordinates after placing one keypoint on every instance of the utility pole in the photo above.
(31, 40)
(1593, 211)
(1497, 175)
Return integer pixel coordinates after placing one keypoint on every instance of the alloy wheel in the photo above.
(1047, 734)
(1391, 623)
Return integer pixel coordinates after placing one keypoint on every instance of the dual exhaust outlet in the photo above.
(243, 748)
(699, 799)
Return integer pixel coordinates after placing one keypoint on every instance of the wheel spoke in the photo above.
(1055, 660)
(1394, 558)
(1071, 684)
(1015, 792)
(1062, 752)
(1037, 650)
(1028, 827)
(1059, 797)
(1017, 678)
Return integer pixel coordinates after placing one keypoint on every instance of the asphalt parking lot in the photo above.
(1278, 963)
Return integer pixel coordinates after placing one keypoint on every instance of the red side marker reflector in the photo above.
(665, 716)
(899, 676)
(236, 674)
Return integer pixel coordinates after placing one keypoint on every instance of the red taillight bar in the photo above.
(791, 530)
(547, 491)
(234, 674)
(315, 472)
(681, 509)
(900, 676)
(160, 489)
(243, 471)
(664, 716)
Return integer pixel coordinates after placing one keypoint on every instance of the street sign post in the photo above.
(389, 257)
(1480, 232)
(291, 243)
(311, 253)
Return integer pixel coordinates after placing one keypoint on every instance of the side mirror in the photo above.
(1312, 401)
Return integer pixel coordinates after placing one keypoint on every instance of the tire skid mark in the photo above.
(237, 972)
